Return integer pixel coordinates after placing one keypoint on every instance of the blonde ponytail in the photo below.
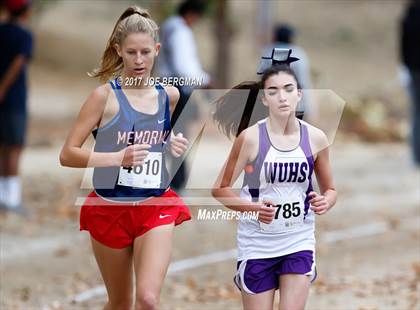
(133, 20)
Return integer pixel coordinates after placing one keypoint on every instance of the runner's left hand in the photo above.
(179, 145)
(319, 204)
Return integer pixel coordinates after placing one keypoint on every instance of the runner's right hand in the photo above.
(266, 212)
(134, 155)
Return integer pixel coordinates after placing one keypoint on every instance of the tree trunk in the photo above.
(223, 37)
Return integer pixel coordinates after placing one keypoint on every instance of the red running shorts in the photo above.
(117, 224)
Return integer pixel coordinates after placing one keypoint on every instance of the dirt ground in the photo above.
(46, 260)
(368, 250)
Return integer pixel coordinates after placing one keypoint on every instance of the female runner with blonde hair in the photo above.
(132, 212)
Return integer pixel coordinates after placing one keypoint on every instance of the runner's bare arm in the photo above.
(179, 144)
(321, 203)
(173, 94)
(72, 153)
(243, 151)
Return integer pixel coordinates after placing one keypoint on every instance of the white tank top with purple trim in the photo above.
(285, 178)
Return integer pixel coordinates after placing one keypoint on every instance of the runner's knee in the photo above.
(146, 300)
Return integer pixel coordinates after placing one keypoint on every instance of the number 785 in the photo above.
(288, 210)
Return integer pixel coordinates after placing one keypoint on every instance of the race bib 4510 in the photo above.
(147, 175)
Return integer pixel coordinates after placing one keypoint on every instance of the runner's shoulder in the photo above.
(318, 139)
(99, 95)
(249, 136)
(173, 94)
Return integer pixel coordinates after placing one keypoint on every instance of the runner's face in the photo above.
(281, 94)
(138, 52)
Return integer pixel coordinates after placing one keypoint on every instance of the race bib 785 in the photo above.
(288, 216)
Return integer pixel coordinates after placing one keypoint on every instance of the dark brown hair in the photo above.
(232, 117)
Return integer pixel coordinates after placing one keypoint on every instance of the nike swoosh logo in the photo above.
(162, 216)
(161, 121)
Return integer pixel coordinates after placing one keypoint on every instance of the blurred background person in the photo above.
(16, 50)
(284, 37)
(410, 56)
(179, 58)
(3, 12)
